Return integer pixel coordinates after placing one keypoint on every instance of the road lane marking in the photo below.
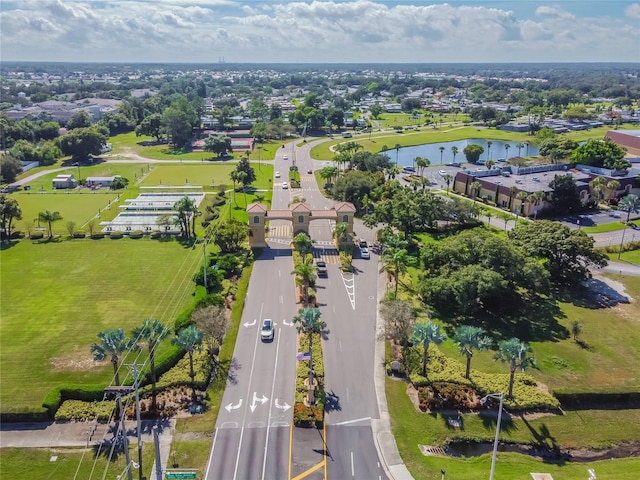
(247, 324)
(309, 471)
(255, 399)
(231, 406)
(349, 282)
(244, 416)
(353, 470)
(347, 422)
(273, 388)
(213, 446)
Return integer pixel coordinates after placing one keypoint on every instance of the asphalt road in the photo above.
(253, 433)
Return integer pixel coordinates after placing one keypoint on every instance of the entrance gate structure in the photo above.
(300, 215)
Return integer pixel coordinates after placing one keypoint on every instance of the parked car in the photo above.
(442, 172)
(408, 169)
(266, 331)
(322, 268)
(364, 253)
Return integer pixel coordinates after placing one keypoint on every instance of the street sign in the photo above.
(170, 475)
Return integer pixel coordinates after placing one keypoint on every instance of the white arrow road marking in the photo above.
(231, 406)
(285, 323)
(262, 400)
(247, 324)
(283, 407)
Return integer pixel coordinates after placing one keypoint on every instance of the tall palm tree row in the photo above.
(113, 343)
(190, 339)
(49, 218)
(308, 322)
(468, 339)
(425, 334)
(515, 352)
(305, 273)
(152, 332)
(395, 258)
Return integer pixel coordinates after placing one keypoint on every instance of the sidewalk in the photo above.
(83, 434)
(382, 434)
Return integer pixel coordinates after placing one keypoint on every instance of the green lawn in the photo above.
(76, 207)
(36, 463)
(128, 144)
(56, 297)
(608, 363)
(604, 227)
(632, 256)
(445, 134)
(412, 428)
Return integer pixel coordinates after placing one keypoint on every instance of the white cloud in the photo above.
(633, 10)
(327, 31)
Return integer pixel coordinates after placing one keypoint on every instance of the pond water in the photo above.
(431, 151)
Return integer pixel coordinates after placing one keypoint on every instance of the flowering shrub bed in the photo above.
(304, 415)
(446, 371)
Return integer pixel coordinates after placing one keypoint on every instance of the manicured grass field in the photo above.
(128, 144)
(56, 297)
(412, 428)
(604, 227)
(36, 463)
(607, 360)
(444, 134)
(76, 207)
(632, 256)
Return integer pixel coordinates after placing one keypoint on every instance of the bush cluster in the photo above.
(116, 235)
(346, 261)
(77, 410)
(445, 395)
(444, 370)
(61, 393)
(79, 235)
(304, 416)
(136, 234)
(179, 375)
(36, 236)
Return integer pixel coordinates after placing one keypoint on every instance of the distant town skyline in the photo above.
(339, 31)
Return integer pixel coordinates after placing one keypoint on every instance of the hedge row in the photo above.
(77, 410)
(61, 393)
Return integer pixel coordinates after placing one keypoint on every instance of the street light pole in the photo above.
(495, 442)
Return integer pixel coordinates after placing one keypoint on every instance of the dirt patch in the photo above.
(76, 360)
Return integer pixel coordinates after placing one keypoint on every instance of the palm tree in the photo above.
(393, 171)
(489, 164)
(190, 339)
(454, 150)
(630, 203)
(421, 163)
(489, 143)
(49, 217)
(513, 189)
(598, 185)
(468, 338)
(260, 197)
(514, 352)
(519, 146)
(425, 334)
(447, 178)
(341, 233)
(476, 186)
(612, 187)
(522, 196)
(488, 213)
(396, 258)
(328, 173)
(442, 149)
(306, 274)
(308, 322)
(153, 331)
(113, 342)
(506, 150)
(302, 243)
(397, 147)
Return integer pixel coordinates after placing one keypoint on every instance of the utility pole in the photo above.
(125, 440)
(156, 448)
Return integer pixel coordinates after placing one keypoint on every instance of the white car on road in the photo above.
(277, 174)
(266, 331)
(285, 186)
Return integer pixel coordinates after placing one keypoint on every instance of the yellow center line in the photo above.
(311, 470)
(290, 448)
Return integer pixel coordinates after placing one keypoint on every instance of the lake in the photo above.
(432, 151)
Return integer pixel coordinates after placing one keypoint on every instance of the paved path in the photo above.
(82, 434)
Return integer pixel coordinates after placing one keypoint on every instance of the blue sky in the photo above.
(348, 31)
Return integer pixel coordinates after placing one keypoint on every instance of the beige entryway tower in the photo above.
(300, 215)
